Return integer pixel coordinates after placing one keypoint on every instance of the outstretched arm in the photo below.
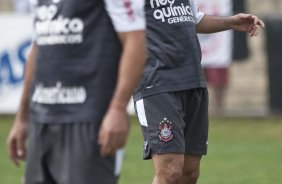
(240, 22)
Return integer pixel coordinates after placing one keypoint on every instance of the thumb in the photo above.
(21, 149)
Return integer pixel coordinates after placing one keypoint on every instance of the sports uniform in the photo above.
(77, 59)
(172, 101)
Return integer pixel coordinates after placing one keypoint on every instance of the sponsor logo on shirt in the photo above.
(59, 94)
(167, 11)
(53, 29)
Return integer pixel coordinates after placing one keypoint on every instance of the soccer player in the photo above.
(172, 100)
(86, 60)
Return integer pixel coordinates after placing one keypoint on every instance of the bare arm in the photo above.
(22, 114)
(18, 133)
(115, 126)
(240, 22)
(131, 67)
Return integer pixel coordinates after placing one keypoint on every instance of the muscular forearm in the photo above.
(213, 24)
(131, 67)
(22, 114)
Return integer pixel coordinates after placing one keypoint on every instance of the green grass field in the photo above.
(241, 151)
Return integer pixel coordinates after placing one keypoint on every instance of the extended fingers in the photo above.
(257, 21)
(254, 31)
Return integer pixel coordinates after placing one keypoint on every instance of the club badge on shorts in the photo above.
(165, 127)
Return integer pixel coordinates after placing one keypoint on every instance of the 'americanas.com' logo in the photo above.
(171, 12)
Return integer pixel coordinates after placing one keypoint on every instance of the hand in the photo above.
(114, 131)
(16, 142)
(247, 23)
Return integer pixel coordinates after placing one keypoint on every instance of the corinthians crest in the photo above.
(166, 127)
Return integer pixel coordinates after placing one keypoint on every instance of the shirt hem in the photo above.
(148, 92)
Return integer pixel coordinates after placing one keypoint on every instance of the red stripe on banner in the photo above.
(128, 6)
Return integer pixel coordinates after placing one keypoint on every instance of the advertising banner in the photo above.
(15, 40)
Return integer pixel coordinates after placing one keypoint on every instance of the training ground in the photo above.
(241, 151)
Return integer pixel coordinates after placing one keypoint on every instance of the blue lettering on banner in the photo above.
(7, 73)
